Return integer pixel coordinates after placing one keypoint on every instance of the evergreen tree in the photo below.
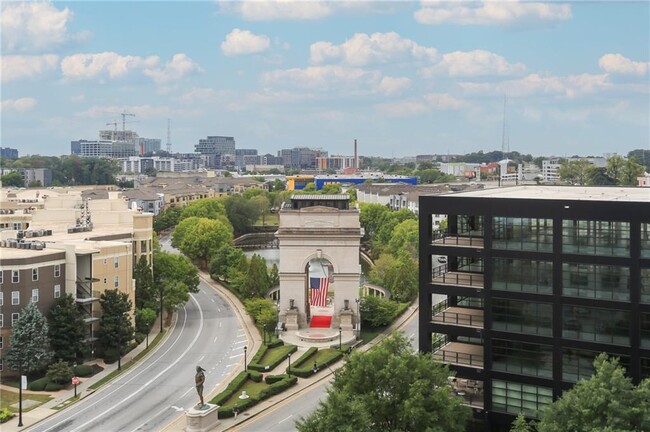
(144, 295)
(29, 349)
(257, 278)
(67, 329)
(116, 328)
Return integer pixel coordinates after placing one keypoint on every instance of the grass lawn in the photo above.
(8, 398)
(321, 354)
(269, 219)
(273, 354)
(251, 388)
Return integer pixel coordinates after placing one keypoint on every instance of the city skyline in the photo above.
(403, 78)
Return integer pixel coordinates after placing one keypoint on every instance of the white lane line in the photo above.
(285, 419)
(202, 357)
(212, 300)
(190, 389)
(148, 383)
(215, 338)
(231, 365)
(219, 324)
(155, 415)
(239, 342)
(235, 356)
(218, 310)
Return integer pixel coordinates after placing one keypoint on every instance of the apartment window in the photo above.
(2, 321)
(596, 324)
(514, 398)
(57, 270)
(645, 330)
(522, 317)
(522, 234)
(1, 365)
(34, 274)
(116, 261)
(57, 291)
(15, 297)
(116, 282)
(14, 318)
(522, 275)
(2, 278)
(143, 246)
(15, 276)
(35, 295)
(522, 358)
(645, 240)
(645, 367)
(596, 281)
(596, 237)
(1, 343)
(2, 298)
(645, 285)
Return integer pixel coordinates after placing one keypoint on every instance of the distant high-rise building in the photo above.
(301, 157)
(215, 147)
(8, 153)
(240, 157)
(148, 145)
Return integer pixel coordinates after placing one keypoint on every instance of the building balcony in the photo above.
(460, 354)
(86, 300)
(459, 316)
(470, 391)
(457, 278)
(457, 240)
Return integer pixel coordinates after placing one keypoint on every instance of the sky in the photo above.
(403, 78)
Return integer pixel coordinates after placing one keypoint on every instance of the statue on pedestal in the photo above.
(199, 379)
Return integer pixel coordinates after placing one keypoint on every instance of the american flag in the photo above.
(319, 287)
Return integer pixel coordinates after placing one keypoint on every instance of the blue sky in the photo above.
(403, 78)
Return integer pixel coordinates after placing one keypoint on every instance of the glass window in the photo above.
(35, 295)
(514, 398)
(116, 261)
(596, 281)
(579, 364)
(57, 270)
(2, 321)
(645, 367)
(1, 342)
(596, 325)
(596, 237)
(522, 234)
(34, 274)
(14, 318)
(645, 240)
(116, 282)
(143, 246)
(522, 317)
(522, 275)
(645, 330)
(57, 291)
(1, 277)
(2, 298)
(15, 297)
(522, 358)
(645, 285)
(15, 276)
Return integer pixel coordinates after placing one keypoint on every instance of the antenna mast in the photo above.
(503, 131)
(169, 136)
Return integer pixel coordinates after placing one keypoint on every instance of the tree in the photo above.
(377, 312)
(144, 319)
(200, 238)
(520, 424)
(641, 156)
(331, 189)
(274, 276)
(12, 179)
(225, 258)
(116, 328)
(167, 219)
(242, 213)
(144, 289)
(608, 401)
(211, 208)
(575, 171)
(257, 282)
(371, 218)
(263, 313)
(67, 330)
(405, 239)
(60, 373)
(389, 388)
(385, 229)
(29, 346)
(168, 266)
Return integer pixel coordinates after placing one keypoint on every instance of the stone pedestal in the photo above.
(292, 319)
(346, 320)
(202, 420)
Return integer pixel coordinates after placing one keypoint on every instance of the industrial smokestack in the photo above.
(356, 157)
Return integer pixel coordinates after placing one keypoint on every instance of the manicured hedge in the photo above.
(277, 387)
(82, 370)
(38, 385)
(234, 385)
(255, 365)
(272, 379)
(307, 369)
(259, 354)
(303, 358)
(52, 386)
(255, 376)
(5, 415)
(276, 343)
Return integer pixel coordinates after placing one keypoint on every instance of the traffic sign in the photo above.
(75, 380)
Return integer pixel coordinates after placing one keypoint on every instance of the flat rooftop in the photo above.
(580, 193)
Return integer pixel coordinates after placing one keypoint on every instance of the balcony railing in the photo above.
(472, 280)
(462, 354)
(459, 316)
(457, 240)
(471, 391)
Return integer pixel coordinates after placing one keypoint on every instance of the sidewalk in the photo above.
(83, 388)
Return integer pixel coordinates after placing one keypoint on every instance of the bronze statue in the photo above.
(199, 379)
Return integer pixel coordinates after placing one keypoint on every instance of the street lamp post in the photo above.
(161, 308)
(20, 396)
(358, 318)
(340, 330)
(245, 349)
(315, 368)
(289, 368)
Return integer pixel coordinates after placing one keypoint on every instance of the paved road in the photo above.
(152, 394)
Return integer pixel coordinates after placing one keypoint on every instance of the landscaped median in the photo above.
(269, 356)
(313, 360)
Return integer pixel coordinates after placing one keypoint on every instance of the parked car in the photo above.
(442, 259)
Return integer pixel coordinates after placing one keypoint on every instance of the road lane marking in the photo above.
(291, 415)
(238, 355)
(148, 383)
(239, 342)
(215, 338)
(156, 415)
(202, 357)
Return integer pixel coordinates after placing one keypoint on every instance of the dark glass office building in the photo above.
(528, 284)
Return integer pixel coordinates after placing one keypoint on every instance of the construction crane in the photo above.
(124, 114)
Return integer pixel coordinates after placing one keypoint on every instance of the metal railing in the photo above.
(474, 280)
(446, 356)
(461, 319)
(457, 239)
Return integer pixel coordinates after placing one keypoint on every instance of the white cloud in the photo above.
(78, 98)
(241, 42)
(19, 105)
(619, 64)
(473, 63)
(113, 65)
(24, 66)
(427, 103)
(490, 12)
(535, 84)
(363, 49)
(34, 26)
(179, 66)
(392, 85)
(268, 10)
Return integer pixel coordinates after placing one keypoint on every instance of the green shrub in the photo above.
(260, 353)
(234, 385)
(110, 355)
(307, 370)
(38, 385)
(285, 381)
(139, 337)
(5, 415)
(275, 343)
(60, 372)
(82, 370)
(272, 379)
(52, 386)
(272, 364)
(255, 376)
(303, 358)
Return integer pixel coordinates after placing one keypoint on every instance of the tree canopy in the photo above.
(116, 328)
(389, 388)
(29, 346)
(200, 238)
(67, 330)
